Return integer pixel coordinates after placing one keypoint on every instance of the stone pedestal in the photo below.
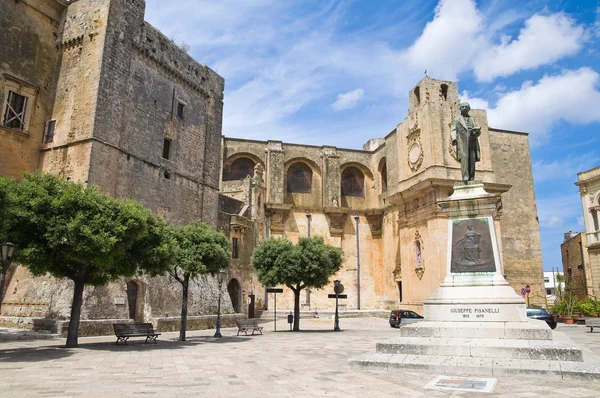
(475, 323)
(474, 289)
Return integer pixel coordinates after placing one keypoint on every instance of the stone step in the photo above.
(495, 367)
(529, 330)
(481, 348)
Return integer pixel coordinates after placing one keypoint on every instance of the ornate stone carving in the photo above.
(375, 219)
(419, 272)
(259, 172)
(398, 272)
(419, 258)
(278, 214)
(415, 149)
(337, 217)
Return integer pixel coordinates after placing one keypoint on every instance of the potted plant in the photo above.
(570, 301)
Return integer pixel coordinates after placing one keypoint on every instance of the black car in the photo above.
(542, 315)
(405, 316)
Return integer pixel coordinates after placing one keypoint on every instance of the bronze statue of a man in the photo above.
(464, 133)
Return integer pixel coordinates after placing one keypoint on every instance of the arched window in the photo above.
(241, 168)
(353, 182)
(417, 92)
(383, 174)
(444, 91)
(299, 178)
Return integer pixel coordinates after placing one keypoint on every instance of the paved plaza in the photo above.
(277, 364)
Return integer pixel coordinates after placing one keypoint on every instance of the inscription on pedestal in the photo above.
(474, 313)
(472, 249)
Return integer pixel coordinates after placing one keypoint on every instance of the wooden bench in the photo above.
(124, 331)
(592, 323)
(246, 325)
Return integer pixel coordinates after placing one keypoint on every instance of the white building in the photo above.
(551, 284)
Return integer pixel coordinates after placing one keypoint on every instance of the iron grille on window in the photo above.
(353, 182)
(14, 115)
(180, 107)
(241, 168)
(299, 178)
(234, 248)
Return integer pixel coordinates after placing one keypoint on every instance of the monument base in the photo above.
(475, 323)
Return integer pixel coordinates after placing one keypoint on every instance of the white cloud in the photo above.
(564, 168)
(474, 102)
(543, 40)
(450, 41)
(571, 96)
(348, 100)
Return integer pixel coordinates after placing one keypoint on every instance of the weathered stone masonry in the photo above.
(135, 115)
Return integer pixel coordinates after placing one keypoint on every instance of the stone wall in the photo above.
(400, 213)
(520, 245)
(29, 61)
(573, 260)
(118, 88)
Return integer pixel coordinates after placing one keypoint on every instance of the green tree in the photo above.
(199, 250)
(77, 232)
(308, 264)
(7, 187)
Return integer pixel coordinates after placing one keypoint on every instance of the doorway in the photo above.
(132, 294)
(235, 293)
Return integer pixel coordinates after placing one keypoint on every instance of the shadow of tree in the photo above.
(34, 354)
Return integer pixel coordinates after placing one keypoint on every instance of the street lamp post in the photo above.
(308, 216)
(8, 254)
(338, 288)
(356, 218)
(220, 277)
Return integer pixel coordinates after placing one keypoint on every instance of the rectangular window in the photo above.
(180, 106)
(166, 148)
(49, 134)
(547, 279)
(14, 114)
(234, 248)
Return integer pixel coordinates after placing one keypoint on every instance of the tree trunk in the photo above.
(73, 332)
(184, 306)
(297, 291)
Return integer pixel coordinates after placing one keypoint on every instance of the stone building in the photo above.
(379, 204)
(585, 269)
(93, 93)
(576, 263)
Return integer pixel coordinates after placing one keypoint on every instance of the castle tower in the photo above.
(135, 114)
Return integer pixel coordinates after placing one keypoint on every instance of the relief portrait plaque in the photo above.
(472, 249)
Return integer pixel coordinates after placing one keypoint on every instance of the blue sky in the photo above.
(338, 73)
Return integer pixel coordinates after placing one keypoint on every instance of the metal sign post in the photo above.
(274, 291)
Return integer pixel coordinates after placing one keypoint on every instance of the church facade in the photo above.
(379, 204)
(93, 93)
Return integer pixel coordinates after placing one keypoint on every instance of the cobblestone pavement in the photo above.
(277, 364)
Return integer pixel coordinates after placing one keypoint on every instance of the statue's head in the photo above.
(465, 108)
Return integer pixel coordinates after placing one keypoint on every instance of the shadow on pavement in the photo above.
(34, 354)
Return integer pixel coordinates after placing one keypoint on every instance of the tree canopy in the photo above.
(199, 250)
(72, 231)
(309, 263)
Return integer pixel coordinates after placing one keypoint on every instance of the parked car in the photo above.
(403, 316)
(542, 315)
